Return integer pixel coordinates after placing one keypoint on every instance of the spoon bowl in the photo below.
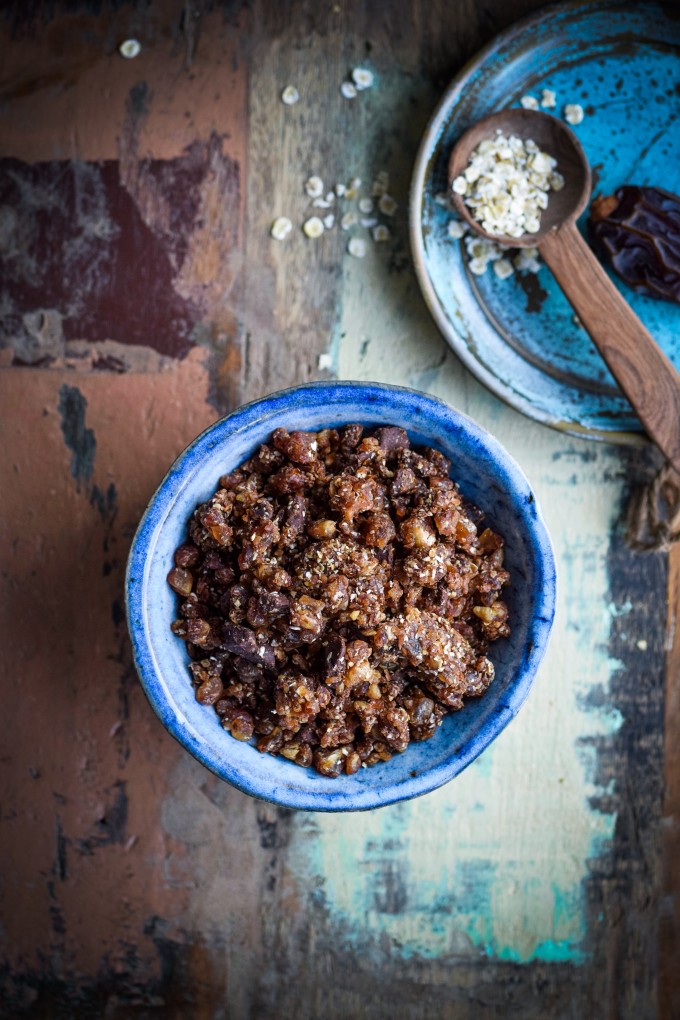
(641, 369)
(553, 137)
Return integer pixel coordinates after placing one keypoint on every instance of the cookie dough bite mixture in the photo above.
(338, 596)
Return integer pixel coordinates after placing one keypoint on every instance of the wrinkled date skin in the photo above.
(337, 597)
(637, 232)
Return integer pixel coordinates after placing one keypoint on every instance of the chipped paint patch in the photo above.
(79, 439)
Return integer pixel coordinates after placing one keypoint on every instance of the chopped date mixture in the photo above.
(338, 596)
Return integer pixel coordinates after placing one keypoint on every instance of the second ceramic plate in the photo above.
(519, 336)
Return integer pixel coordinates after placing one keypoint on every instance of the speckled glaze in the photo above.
(486, 474)
(518, 336)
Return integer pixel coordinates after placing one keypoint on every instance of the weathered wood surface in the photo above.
(134, 882)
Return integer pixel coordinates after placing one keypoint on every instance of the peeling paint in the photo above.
(133, 253)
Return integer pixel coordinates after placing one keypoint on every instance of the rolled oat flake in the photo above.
(313, 227)
(281, 228)
(290, 95)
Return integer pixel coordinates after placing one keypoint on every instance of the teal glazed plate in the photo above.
(519, 336)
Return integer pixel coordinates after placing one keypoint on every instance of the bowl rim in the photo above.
(539, 629)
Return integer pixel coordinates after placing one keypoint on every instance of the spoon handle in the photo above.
(639, 366)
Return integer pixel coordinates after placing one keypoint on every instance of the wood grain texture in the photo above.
(137, 884)
(669, 931)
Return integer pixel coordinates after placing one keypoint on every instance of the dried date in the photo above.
(637, 232)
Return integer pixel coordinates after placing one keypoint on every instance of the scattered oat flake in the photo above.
(325, 362)
(290, 95)
(548, 99)
(321, 203)
(329, 221)
(348, 89)
(314, 187)
(340, 190)
(526, 262)
(456, 229)
(330, 197)
(387, 205)
(368, 221)
(381, 233)
(348, 220)
(313, 227)
(573, 113)
(503, 268)
(357, 247)
(362, 78)
(130, 48)
(281, 228)
(529, 102)
(365, 205)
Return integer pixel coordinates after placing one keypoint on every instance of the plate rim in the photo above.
(425, 155)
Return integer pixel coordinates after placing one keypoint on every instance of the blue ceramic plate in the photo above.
(621, 62)
(486, 474)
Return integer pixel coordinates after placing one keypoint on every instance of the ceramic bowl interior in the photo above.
(485, 473)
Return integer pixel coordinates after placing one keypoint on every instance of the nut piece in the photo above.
(290, 95)
(529, 102)
(548, 99)
(181, 581)
(322, 529)
(313, 227)
(381, 233)
(242, 726)
(281, 228)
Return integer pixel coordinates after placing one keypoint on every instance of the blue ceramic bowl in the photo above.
(487, 475)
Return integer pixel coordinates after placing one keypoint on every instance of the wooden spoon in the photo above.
(641, 369)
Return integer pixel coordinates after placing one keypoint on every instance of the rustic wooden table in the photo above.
(142, 298)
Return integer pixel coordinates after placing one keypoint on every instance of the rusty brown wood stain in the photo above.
(76, 247)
